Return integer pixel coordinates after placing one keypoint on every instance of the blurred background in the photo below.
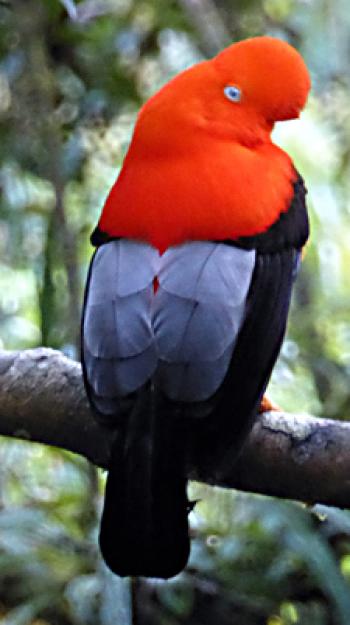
(72, 77)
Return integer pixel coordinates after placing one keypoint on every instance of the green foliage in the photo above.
(69, 92)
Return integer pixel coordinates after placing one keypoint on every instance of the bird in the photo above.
(187, 297)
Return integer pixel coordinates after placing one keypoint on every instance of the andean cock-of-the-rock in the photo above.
(188, 291)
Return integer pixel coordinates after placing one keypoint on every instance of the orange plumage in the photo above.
(201, 167)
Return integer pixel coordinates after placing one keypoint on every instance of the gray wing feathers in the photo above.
(198, 311)
(119, 328)
(186, 330)
(207, 271)
(118, 340)
(193, 381)
(190, 330)
(124, 266)
(117, 377)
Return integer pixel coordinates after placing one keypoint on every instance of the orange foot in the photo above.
(266, 405)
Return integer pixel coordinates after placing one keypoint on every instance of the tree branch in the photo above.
(294, 456)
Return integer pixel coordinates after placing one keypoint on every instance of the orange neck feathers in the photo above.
(201, 166)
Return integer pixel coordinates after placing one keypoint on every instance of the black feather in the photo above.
(144, 527)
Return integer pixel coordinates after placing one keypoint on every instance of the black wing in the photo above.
(235, 405)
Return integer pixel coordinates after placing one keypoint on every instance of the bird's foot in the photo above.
(267, 405)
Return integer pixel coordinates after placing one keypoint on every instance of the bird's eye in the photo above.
(233, 93)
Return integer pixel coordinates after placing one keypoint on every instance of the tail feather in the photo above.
(144, 528)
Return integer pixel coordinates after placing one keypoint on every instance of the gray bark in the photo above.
(299, 457)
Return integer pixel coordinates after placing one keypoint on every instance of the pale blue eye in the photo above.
(233, 93)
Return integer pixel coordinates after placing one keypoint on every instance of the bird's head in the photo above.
(265, 74)
(237, 95)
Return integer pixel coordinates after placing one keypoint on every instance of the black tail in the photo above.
(144, 527)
